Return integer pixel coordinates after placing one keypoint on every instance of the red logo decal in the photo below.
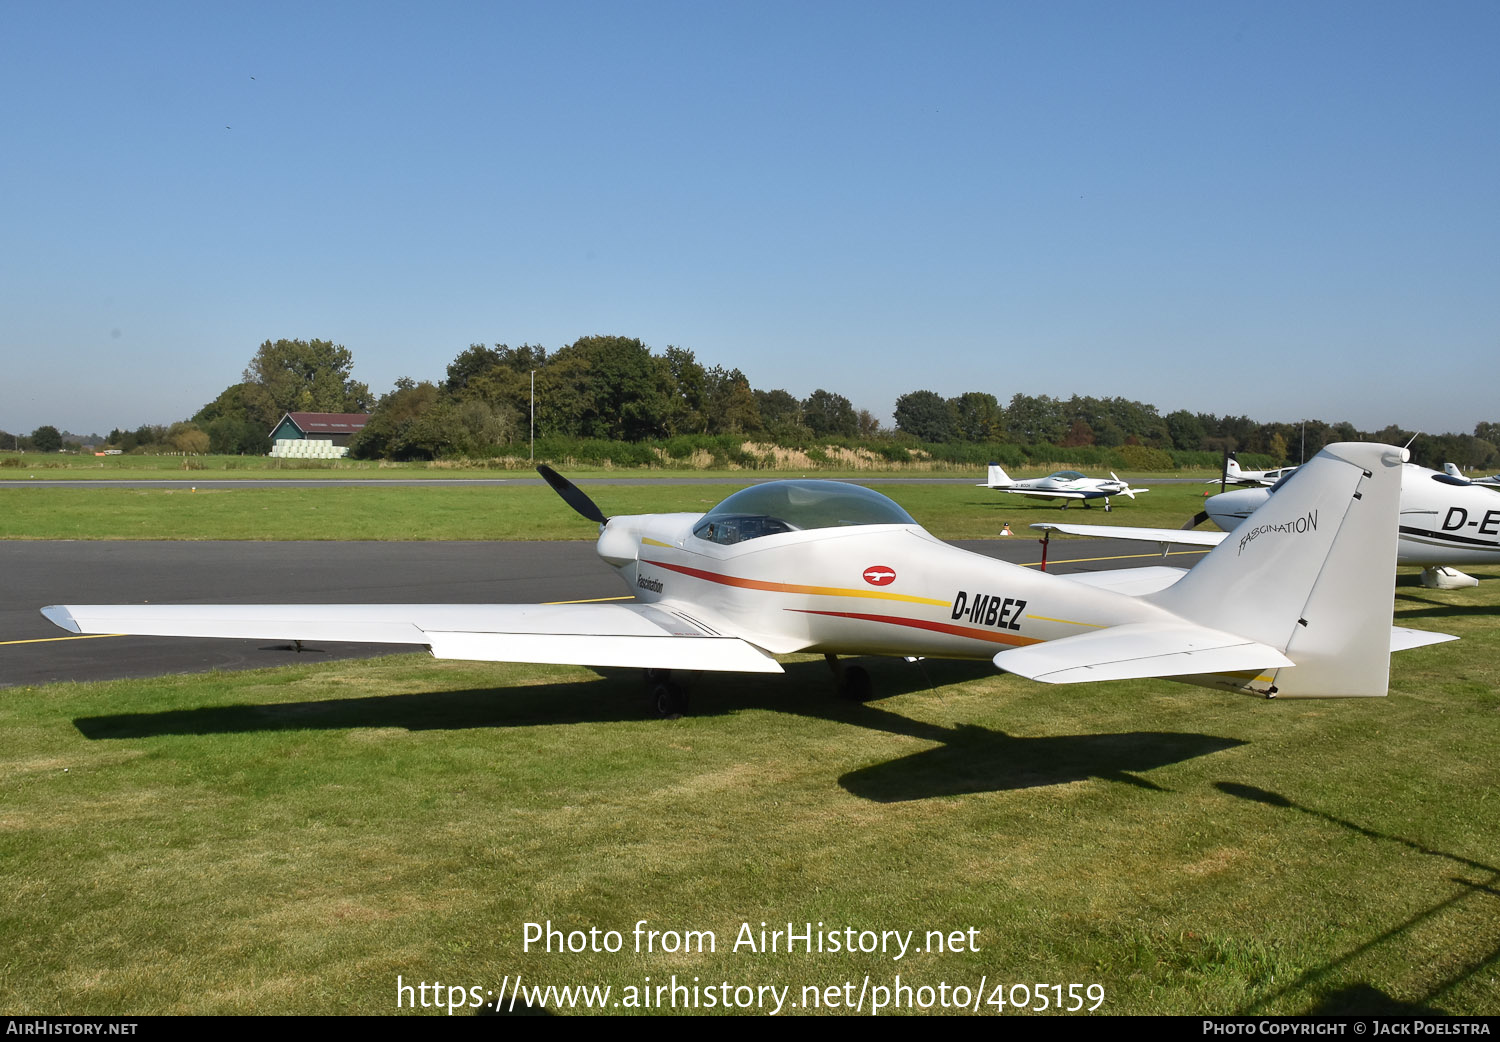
(879, 575)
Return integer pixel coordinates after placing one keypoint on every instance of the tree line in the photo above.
(616, 389)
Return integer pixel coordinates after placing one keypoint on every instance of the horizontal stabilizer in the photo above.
(1172, 536)
(1403, 639)
(1130, 581)
(1139, 650)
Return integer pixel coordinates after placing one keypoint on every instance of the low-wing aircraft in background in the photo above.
(1444, 521)
(1451, 469)
(1066, 485)
(1233, 475)
(1301, 608)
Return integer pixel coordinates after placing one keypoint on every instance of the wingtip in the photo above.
(59, 615)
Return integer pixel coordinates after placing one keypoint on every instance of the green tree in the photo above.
(780, 414)
(187, 438)
(473, 362)
(731, 404)
(1185, 430)
(46, 439)
(926, 415)
(827, 414)
(624, 392)
(687, 410)
(237, 436)
(1035, 420)
(307, 376)
(247, 404)
(563, 396)
(1276, 447)
(977, 417)
(395, 429)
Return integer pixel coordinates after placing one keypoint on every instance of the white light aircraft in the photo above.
(1443, 522)
(1066, 485)
(1451, 469)
(1233, 475)
(1300, 609)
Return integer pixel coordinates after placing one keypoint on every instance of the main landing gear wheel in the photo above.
(664, 696)
(853, 682)
(857, 686)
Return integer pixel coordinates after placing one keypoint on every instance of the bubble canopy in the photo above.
(791, 506)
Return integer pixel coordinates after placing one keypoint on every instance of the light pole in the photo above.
(533, 416)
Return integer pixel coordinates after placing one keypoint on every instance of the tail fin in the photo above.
(1231, 467)
(998, 477)
(1311, 573)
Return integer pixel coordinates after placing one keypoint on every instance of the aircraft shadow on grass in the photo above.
(966, 759)
(1363, 997)
(1414, 602)
(978, 759)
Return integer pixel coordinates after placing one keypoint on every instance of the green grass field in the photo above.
(294, 840)
(504, 512)
(66, 467)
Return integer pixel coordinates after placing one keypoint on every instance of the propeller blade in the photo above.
(1198, 519)
(571, 494)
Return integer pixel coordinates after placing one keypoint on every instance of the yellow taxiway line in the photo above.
(49, 640)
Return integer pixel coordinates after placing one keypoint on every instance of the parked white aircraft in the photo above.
(1443, 522)
(1300, 608)
(1451, 469)
(1066, 485)
(1233, 475)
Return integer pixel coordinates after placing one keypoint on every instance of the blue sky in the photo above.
(1285, 210)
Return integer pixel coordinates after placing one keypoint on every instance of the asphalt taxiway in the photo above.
(36, 574)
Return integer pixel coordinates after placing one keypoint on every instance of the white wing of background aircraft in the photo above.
(1443, 522)
(836, 569)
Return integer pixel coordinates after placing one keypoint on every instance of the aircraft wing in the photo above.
(644, 635)
(1137, 651)
(1174, 536)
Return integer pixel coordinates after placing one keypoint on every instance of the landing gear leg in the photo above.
(853, 682)
(664, 696)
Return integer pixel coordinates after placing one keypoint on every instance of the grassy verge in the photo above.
(62, 467)
(293, 840)
(505, 512)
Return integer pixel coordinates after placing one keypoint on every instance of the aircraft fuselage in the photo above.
(821, 590)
